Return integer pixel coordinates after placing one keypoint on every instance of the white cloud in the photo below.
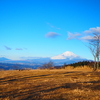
(52, 34)
(27, 58)
(83, 36)
(90, 36)
(93, 30)
(87, 37)
(72, 36)
(88, 31)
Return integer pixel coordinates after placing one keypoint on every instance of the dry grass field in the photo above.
(56, 84)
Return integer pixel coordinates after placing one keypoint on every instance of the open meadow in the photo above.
(56, 84)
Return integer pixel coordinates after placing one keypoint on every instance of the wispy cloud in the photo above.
(87, 38)
(19, 49)
(30, 57)
(90, 36)
(52, 26)
(73, 36)
(8, 48)
(52, 34)
(25, 48)
(85, 35)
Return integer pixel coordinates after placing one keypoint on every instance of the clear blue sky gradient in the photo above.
(39, 28)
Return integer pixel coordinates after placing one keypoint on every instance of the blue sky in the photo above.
(45, 28)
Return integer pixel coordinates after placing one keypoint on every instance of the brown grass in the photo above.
(57, 84)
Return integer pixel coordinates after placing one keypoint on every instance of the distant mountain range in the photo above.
(4, 59)
(34, 62)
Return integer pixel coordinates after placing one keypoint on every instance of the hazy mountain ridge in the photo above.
(35, 62)
(4, 59)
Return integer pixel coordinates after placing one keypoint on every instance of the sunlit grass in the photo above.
(58, 84)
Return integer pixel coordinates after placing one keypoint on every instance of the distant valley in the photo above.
(35, 62)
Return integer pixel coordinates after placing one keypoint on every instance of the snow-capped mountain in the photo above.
(66, 55)
(35, 62)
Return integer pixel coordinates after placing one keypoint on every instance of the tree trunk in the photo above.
(95, 64)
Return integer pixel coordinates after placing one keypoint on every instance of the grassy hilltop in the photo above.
(57, 84)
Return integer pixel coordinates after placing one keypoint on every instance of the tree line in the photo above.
(50, 65)
(81, 64)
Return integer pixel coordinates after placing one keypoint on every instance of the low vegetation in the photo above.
(58, 84)
(81, 64)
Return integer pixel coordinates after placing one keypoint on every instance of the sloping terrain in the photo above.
(58, 84)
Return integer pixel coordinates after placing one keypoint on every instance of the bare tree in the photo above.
(48, 65)
(94, 46)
